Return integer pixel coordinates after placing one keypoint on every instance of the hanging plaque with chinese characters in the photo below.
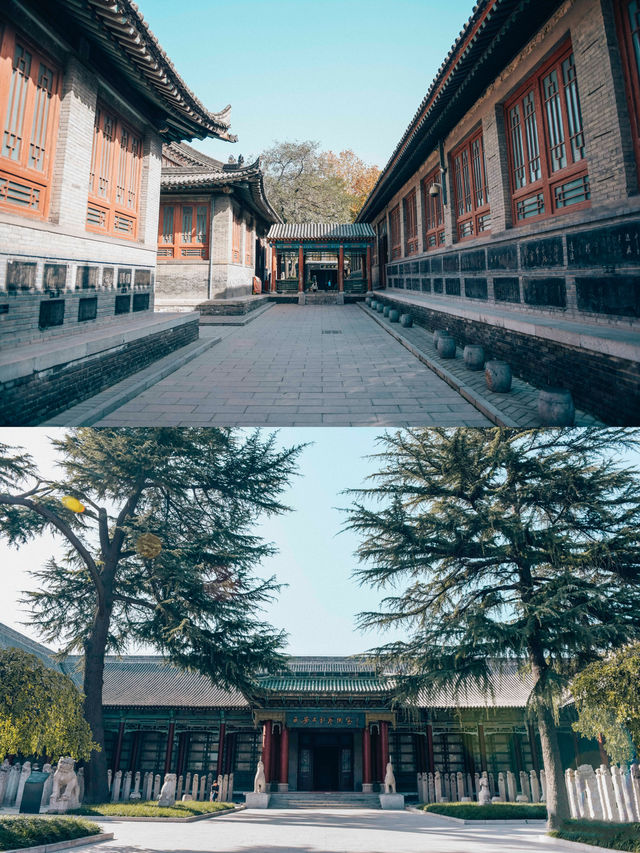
(324, 720)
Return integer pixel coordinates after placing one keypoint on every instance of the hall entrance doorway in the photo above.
(325, 761)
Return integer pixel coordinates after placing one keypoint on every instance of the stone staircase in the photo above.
(324, 800)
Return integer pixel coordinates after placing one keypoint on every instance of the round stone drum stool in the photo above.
(497, 375)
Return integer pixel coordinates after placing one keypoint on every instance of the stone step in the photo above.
(324, 799)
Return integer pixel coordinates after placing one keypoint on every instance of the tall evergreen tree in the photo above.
(497, 543)
(157, 526)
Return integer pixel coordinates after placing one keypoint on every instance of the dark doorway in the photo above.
(325, 761)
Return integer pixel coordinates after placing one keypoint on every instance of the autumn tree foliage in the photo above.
(305, 184)
(40, 710)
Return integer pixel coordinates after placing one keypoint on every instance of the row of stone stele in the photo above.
(259, 798)
(555, 405)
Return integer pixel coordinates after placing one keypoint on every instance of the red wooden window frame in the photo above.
(394, 228)
(433, 208)
(29, 106)
(183, 229)
(470, 193)
(248, 243)
(410, 211)
(628, 24)
(115, 174)
(236, 238)
(548, 169)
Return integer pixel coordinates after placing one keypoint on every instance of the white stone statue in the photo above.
(65, 794)
(484, 794)
(168, 792)
(260, 780)
(5, 769)
(389, 780)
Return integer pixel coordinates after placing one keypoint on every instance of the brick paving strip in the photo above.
(298, 366)
(518, 408)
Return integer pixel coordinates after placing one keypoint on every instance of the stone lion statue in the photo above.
(260, 781)
(168, 792)
(65, 793)
(484, 795)
(389, 780)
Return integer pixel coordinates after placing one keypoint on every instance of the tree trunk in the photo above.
(96, 790)
(557, 797)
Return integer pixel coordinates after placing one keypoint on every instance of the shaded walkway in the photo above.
(301, 366)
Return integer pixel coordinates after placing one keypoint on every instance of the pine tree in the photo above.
(157, 526)
(503, 543)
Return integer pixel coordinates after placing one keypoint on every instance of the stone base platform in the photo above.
(257, 801)
(392, 802)
(39, 380)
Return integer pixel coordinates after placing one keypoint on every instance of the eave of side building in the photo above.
(495, 33)
(113, 34)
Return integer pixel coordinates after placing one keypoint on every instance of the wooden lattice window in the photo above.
(471, 198)
(236, 237)
(29, 102)
(546, 142)
(410, 223)
(114, 179)
(628, 22)
(248, 242)
(394, 227)
(433, 212)
(183, 230)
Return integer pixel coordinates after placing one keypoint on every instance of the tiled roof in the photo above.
(10, 639)
(120, 31)
(327, 684)
(198, 177)
(187, 155)
(321, 231)
(150, 681)
(510, 690)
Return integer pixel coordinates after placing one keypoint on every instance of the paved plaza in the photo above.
(323, 831)
(301, 366)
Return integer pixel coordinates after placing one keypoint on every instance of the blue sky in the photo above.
(348, 73)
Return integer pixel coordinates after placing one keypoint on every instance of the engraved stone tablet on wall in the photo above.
(473, 261)
(605, 246)
(124, 279)
(21, 275)
(542, 253)
(436, 264)
(51, 313)
(609, 295)
(54, 277)
(452, 286)
(506, 289)
(108, 277)
(86, 278)
(424, 266)
(451, 263)
(426, 285)
(545, 292)
(502, 257)
(87, 309)
(475, 288)
(123, 304)
(437, 285)
(140, 301)
(143, 278)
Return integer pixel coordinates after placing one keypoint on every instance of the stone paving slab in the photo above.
(301, 366)
(518, 408)
(323, 831)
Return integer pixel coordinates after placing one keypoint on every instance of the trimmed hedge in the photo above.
(496, 811)
(150, 808)
(31, 831)
(616, 836)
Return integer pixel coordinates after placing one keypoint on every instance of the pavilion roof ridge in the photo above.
(321, 231)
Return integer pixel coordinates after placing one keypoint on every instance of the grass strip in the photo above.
(28, 831)
(150, 808)
(615, 836)
(496, 811)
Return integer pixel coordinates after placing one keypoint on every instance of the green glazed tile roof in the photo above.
(324, 684)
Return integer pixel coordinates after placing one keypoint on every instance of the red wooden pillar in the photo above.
(341, 269)
(300, 270)
(533, 746)
(366, 759)
(118, 750)
(274, 763)
(384, 745)
(169, 749)
(183, 742)
(369, 273)
(431, 764)
(284, 759)
(483, 749)
(266, 749)
(274, 268)
(220, 762)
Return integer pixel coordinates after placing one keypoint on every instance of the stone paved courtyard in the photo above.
(322, 831)
(301, 366)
